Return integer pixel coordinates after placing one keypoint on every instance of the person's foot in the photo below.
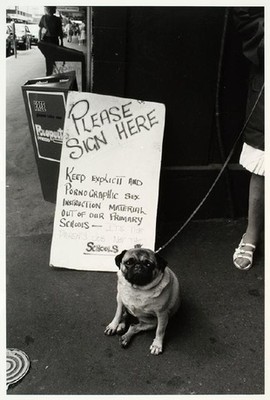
(243, 255)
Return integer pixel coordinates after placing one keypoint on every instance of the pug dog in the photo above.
(148, 290)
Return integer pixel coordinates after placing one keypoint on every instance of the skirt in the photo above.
(252, 159)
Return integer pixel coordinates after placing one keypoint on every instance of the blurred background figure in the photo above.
(68, 29)
(75, 33)
(82, 33)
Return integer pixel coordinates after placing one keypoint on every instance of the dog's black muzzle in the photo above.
(139, 274)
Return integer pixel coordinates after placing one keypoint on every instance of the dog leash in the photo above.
(217, 178)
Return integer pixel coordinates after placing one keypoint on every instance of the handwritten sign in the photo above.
(109, 180)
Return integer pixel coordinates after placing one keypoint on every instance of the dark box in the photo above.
(45, 103)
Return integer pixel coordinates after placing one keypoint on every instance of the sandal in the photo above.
(240, 252)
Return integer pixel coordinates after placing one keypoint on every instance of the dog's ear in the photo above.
(161, 262)
(119, 257)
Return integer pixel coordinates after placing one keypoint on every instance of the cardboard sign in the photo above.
(109, 180)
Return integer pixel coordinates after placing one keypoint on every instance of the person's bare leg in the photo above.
(255, 215)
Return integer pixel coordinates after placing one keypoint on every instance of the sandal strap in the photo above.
(243, 256)
(248, 244)
(242, 251)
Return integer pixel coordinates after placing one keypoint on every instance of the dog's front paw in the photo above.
(114, 328)
(156, 347)
(111, 329)
(121, 328)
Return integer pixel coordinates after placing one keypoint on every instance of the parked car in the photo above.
(34, 29)
(10, 42)
(23, 36)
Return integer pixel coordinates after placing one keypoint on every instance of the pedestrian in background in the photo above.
(249, 22)
(69, 31)
(82, 33)
(75, 33)
(50, 31)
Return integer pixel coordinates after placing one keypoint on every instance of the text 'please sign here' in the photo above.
(109, 180)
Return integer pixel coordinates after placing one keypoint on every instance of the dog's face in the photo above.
(140, 266)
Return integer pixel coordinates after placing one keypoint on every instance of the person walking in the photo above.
(82, 34)
(50, 31)
(69, 31)
(249, 22)
(75, 33)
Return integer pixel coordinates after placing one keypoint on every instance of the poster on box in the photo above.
(47, 114)
(108, 184)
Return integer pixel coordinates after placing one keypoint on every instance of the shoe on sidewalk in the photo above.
(244, 251)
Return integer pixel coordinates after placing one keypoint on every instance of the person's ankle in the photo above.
(249, 238)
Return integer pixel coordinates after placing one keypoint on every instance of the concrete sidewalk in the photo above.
(214, 345)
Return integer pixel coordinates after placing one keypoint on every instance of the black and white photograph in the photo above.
(133, 200)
